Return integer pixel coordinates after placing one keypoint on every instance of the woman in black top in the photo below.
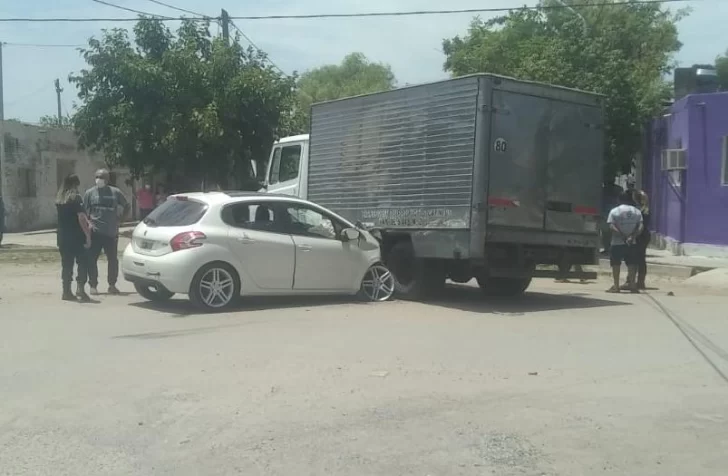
(74, 238)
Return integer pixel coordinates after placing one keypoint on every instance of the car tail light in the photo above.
(187, 240)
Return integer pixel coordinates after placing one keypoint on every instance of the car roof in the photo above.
(224, 197)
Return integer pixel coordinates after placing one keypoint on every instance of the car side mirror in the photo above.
(350, 234)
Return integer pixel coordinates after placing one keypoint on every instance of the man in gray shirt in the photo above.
(107, 207)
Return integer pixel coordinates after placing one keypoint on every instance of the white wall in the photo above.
(33, 162)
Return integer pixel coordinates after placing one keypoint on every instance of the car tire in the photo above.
(153, 293)
(414, 278)
(377, 285)
(203, 285)
(503, 287)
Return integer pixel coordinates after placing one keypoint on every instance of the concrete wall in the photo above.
(33, 162)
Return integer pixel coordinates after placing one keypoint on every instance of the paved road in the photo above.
(566, 381)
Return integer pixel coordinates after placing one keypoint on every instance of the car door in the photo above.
(265, 251)
(323, 261)
(283, 176)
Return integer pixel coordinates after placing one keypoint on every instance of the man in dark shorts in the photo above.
(625, 222)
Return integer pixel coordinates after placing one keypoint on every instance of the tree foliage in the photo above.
(355, 75)
(621, 51)
(186, 104)
(721, 66)
(66, 122)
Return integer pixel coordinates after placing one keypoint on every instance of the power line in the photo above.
(113, 5)
(41, 45)
(338, 15)
(178, 8)
(252, 43)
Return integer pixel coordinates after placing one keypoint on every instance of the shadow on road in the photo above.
(468, 298)
(184, 308)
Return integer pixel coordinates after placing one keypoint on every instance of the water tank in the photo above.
(695, 80)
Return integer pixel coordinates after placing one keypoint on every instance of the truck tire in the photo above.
(414, 278)
(503, 287)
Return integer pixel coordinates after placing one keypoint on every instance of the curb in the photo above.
(668, 270)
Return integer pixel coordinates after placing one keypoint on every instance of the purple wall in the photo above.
(689, 206)
(707, 213)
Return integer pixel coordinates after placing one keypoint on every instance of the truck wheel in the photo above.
(503, 287)
(414, 278)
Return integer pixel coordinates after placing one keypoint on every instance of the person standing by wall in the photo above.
(625, 221)
(103, 204)
(641, 201)
(161, 195)
(145, 200)
(73, 237)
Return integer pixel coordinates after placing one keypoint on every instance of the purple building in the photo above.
(685, 173)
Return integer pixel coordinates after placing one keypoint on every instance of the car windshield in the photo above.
(176, 211)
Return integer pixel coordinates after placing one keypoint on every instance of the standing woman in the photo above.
(73, 238)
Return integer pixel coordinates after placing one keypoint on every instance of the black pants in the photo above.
(642, 241)
(109, 245)
(73, 253)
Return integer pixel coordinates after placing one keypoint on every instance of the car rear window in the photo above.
(176, 211)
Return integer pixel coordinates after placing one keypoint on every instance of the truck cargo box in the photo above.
(498, 158)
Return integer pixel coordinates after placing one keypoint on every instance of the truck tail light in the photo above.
(187, 240)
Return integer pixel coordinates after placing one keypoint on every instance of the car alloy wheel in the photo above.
(216, 288)
(378, 284)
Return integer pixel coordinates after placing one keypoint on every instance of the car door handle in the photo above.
(304, 247)
(245, 239)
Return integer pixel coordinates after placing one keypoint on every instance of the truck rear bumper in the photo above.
(541, 237)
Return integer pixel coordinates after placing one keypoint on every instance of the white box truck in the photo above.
(483, 177)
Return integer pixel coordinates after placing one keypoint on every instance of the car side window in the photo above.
(285, 164)
(253, 216)
(304, 221)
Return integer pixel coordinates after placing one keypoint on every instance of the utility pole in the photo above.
(58, 100)
(225, 20)
(2, 96)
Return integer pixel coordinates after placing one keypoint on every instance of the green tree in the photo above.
(621, 51)
(66, 122)
(721, 66)
(355, 75)
(186, 104)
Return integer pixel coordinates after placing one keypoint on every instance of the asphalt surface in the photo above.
(566, 380)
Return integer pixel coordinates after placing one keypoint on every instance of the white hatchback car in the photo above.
(216, 246)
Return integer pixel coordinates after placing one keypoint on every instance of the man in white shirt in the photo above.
(625, 222)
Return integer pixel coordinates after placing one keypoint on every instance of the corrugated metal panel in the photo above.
(400, 158)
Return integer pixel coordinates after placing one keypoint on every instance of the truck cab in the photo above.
(287, 168)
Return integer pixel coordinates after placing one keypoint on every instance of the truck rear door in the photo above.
(519, 150)
(576, 146)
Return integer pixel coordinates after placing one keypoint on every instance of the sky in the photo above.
(410, 45)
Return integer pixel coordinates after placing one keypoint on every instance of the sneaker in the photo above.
(94, 291)
(68, 296)
(82, 296)
(113, 290)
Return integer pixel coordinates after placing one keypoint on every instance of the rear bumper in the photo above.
(168, 271)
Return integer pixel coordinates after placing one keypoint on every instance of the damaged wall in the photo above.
(33, 162)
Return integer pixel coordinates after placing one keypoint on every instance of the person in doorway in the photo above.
(625, 222)
(107, 208)
(161, 196)
(73, 237)
(145, 200)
